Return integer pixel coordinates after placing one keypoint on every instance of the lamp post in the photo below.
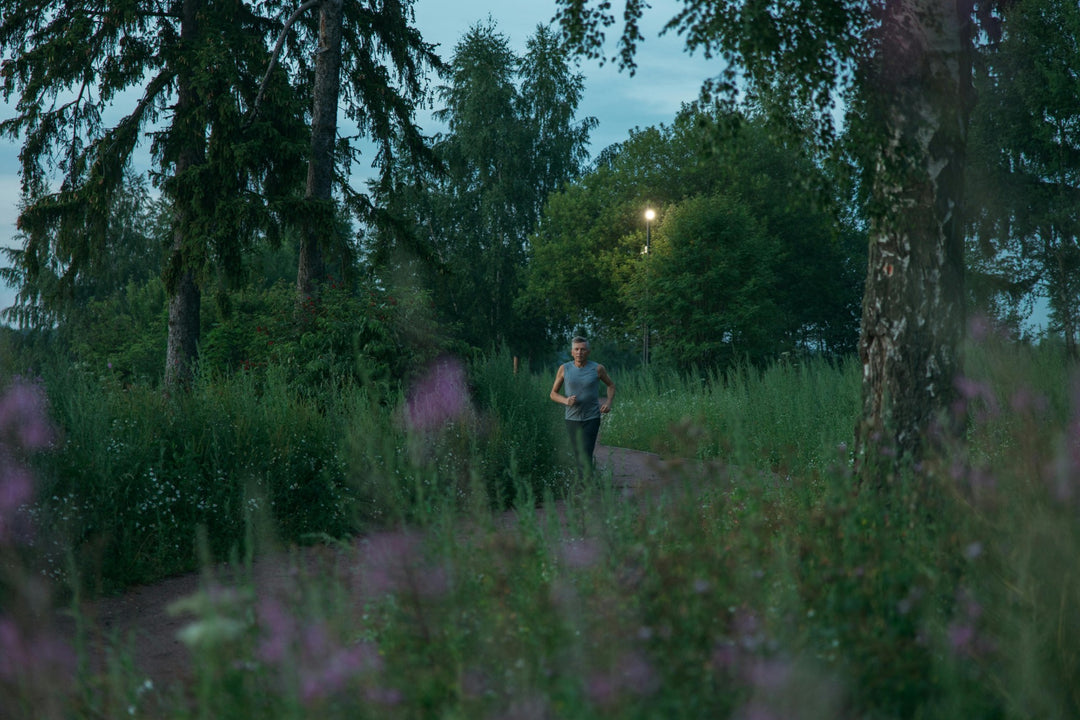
(650, 215)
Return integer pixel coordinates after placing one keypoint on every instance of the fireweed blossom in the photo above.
(24, 420)
(327, 667)
(962, 633)
(632, 675)
(24, 428)
(439, 397)
(16, 490)
(33, 659)
(394, 562)
(322, 664)
(278, 631)
(978, 394)
(29, 656)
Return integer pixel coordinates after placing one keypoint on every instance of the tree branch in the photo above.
(105, 14)
(274, 55)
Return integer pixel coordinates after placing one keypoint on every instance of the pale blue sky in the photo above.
(666, 78)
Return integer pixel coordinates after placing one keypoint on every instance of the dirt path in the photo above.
(140, 618)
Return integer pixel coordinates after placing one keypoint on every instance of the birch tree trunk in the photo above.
(913, 307)
(319, 220)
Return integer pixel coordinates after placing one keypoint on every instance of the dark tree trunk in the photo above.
(319, 217)
(1059, 252)
(183, 343)
(184, 294)
(913, 307)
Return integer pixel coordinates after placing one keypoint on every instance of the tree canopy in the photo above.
(512, 137)
(799, 277)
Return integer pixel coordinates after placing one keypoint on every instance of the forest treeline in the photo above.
(509, 236)
(254, 240)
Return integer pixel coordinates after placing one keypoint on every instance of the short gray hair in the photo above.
(578, 339)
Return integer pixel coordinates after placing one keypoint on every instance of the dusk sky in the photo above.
(666, 77)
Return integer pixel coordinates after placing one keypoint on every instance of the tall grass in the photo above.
(137, 472)
(788, 416)
(799, 594)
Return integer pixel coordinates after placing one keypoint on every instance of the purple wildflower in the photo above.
(724, 657)
(280, 630)
(24, 421)
(961, 637)
(769, 674)
(601, 689)
(332, 669)
(439, 397)
(981, 480)
(962, 633)
(973, 390)
(16, 489)
(394, 562)
(24, 426)
(637, 674)
(325, 666)
(632, 674)
(26, 656)
(747, 629)
(1024, 400)
(388, 561)
(384, 696)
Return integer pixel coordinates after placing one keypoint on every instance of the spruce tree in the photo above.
(93, 81)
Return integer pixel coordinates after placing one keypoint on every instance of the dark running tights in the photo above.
(583, 441)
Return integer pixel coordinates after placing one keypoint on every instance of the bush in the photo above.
(137, 472)
(357, 335)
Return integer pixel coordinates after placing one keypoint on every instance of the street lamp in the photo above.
(650, 215)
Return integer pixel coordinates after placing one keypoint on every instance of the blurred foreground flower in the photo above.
(439, 397)
(321, 664)
(24, 428)
(36, 662)
(31, 659)
(24, 421)
(394, 562)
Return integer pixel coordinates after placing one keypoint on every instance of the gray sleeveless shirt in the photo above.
(582, 382)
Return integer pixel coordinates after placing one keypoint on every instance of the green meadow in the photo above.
(470, 575)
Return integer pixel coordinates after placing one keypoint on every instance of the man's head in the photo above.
(579, 349)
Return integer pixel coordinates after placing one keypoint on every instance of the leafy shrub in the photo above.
(138, 472)
(364, 335)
